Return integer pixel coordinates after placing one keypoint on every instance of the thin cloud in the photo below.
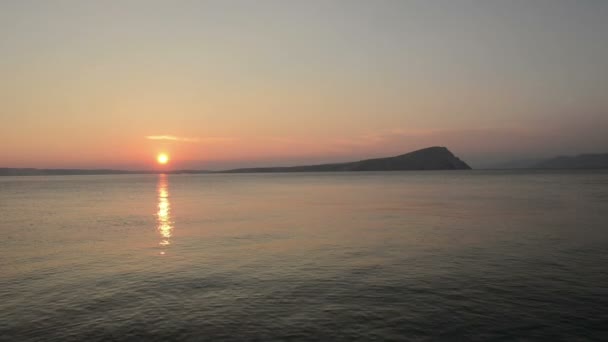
(187, 139)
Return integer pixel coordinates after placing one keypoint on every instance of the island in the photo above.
(581, 161)
(432, 158)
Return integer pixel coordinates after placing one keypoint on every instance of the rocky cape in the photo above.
(432, 158)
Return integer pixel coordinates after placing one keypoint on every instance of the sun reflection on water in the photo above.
(163, 215)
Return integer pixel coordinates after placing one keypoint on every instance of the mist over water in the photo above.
(458, 255)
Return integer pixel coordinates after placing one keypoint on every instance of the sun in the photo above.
(162, 158)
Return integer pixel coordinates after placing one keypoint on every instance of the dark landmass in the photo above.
(582, 161)
(432, 158)
(514, 164)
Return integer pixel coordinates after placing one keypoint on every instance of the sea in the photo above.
(353, 256)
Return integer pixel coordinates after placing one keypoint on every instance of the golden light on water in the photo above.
(163, 215)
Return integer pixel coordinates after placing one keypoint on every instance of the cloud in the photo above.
(191, 140)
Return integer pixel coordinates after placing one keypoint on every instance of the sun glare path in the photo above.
(163, 215)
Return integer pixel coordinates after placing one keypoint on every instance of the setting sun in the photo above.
(162, 158)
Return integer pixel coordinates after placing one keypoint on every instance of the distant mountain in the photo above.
(432, 158)
(513, 164)
(582, 161)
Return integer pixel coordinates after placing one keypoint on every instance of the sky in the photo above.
(221, 84)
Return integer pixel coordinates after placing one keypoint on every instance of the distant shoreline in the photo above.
(224, 172)
(428, 159)
(431, 158)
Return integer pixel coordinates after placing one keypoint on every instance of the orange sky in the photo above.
(86, 84)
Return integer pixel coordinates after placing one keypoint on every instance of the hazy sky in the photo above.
(236, 83)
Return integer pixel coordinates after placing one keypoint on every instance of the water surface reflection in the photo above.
(163, 215)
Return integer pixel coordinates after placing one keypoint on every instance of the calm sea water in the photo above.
(461, 255)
